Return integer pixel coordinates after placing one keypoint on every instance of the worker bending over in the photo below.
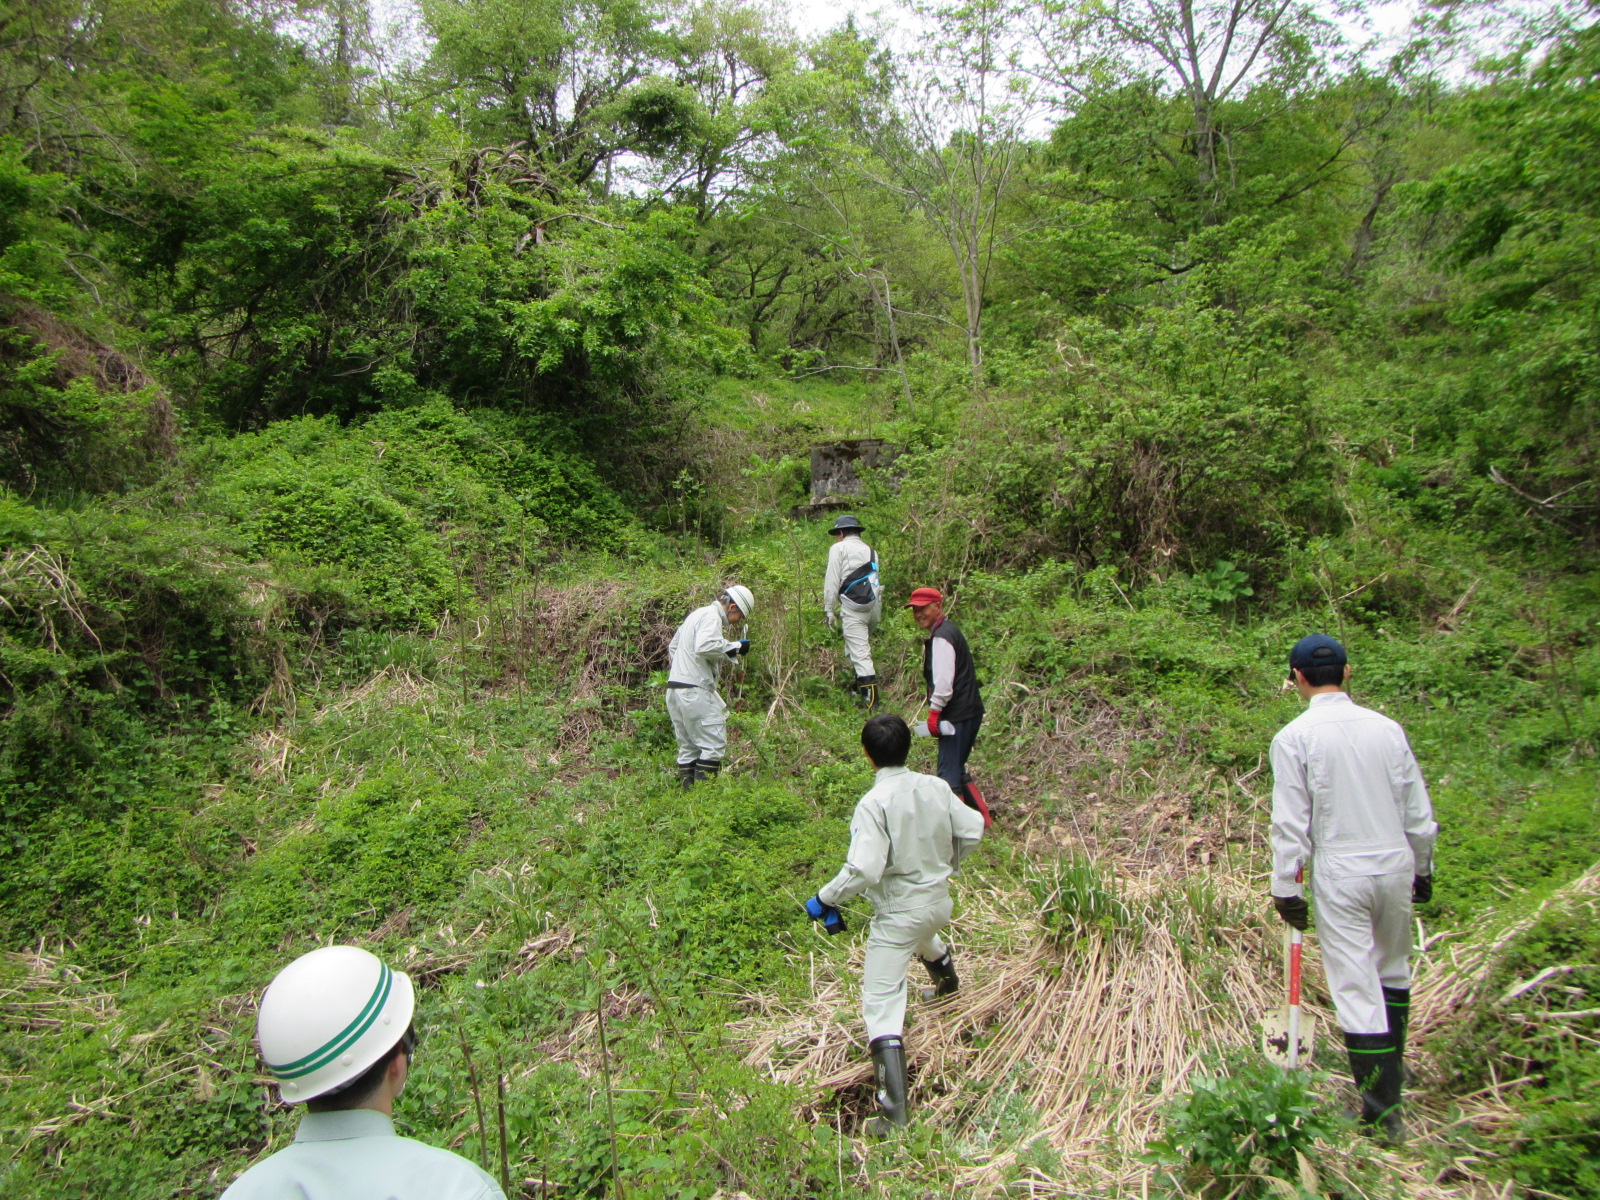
(699, 650)
(852, 598)
(335, 1030)
(907, 837)
(1350, 806)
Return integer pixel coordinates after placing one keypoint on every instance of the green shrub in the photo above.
(1255, 1120)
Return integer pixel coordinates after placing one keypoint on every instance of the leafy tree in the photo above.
(1520, 218)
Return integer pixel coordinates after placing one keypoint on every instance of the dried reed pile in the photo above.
(1093, 1027)
(1455, 974)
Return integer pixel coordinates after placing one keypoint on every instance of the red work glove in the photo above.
(933, 722)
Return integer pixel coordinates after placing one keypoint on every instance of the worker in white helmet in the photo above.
(852, 602)
(335, 1031)
(699, 650)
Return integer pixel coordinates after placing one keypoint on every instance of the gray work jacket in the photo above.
(907, 837)
(700, 649)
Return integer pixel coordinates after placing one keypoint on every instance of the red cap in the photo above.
(924, 596)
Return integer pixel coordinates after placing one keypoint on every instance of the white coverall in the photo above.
(356, 1155)
(907, 837)
(1349, 804)
(857, 622)
(699, 717)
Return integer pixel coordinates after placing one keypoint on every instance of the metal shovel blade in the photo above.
(1275, 1037)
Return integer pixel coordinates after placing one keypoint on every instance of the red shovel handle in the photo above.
(1295, 948)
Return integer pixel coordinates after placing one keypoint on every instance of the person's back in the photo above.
(1363, 785)
(915, 814)
(356, 1155)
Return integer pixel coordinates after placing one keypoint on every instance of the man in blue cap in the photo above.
(1350, 808)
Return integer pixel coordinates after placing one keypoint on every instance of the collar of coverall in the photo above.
(343, 1125)
(1330, 698)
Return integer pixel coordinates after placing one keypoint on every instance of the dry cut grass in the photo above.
(1082, 1033)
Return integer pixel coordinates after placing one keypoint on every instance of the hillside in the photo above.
(374, 404)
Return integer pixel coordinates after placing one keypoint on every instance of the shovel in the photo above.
(1288, 1036)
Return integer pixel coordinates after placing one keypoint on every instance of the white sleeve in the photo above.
(944, 673)
(1416, 811)
(1291, 819)
(966, 830)
(834, 579)
(708, 639)
(867, 860)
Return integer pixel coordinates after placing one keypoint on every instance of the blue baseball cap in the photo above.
(1316, 650)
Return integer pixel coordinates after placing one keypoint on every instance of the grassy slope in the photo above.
(491, 807)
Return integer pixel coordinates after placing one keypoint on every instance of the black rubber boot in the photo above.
(1397, 1003)
(943, 974)
(1375, 1067)
(867, 687)
(686, 775)
(707, 768)
(889, 1075)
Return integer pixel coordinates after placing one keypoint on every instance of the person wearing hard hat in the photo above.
(1349, 807)
(955, 705)
(335, 1030)
(908, 835)
(698, 651)
(852, 601)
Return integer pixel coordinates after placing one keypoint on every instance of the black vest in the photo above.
(965, 702)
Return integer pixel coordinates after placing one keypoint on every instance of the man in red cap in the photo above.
(955, 706)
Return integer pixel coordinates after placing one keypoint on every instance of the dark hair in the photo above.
(886, 740)
(1324, 674)
(359, 1090)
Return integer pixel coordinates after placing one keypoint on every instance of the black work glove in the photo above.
(1294, 910)
(1421, 889)
(744, 646)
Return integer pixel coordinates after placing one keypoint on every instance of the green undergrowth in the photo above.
(231, 748)
(523, 883)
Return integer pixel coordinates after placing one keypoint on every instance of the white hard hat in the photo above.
(328, 1016)
(741, 596)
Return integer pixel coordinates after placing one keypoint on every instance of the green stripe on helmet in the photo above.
(346, 1037)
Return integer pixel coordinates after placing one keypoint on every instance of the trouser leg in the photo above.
(891, 941)
(1364, 926)
(700, 723)
(682, 728)
(954, 749)
(1347, 913)
(857, 626)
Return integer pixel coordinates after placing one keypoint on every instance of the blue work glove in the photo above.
(832, 919)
